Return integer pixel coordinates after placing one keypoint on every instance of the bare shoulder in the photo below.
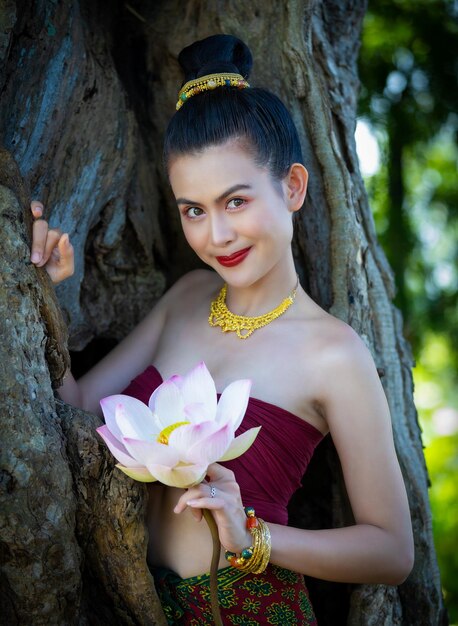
(194, 285)
(341, 345)
(341, 358)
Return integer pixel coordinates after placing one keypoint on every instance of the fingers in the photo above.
(61, 263)
(214, 504)
(220, 494)
(39, 232)
(37, 209)
(67, 254)
(53, 237)
(224, 485)
(44, 242)
(227, 508)
(194, 495)
(50, 248)
(216, 471)
(39, 237)
(208, 496)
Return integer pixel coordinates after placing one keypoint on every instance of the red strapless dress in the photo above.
(271, 470)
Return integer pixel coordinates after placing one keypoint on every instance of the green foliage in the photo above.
(442, 461)
(436, 392)
(431, 271)
(408, 97)
(408, 64)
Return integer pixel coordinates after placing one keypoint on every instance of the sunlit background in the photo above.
(406, 138)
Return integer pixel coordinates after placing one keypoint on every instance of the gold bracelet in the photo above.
(267, 546)
(255, 558)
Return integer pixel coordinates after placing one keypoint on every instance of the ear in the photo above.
(296, 186)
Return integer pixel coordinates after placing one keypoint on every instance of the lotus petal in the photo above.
(198, 387)
(151, 451)
(177, 380)
(139, 417)
(167, 404)
(108, 408)
(183, 414)
(136, 424)
(116, 447)
(233, 403)
(185, 437)
(138, 473)
(195, 412)
(182, 476)
(241, 444)
(210, 448)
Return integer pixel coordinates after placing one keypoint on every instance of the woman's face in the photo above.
(234, 217)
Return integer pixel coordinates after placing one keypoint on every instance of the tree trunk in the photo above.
(73, 538)
(87, 90)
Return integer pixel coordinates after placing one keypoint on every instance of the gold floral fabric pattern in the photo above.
(277, 596)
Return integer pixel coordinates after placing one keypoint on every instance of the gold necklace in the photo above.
(242, 325)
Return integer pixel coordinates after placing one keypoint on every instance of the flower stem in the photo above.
(214, 567)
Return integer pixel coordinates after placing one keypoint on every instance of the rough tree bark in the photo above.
(72, 529)
(87, 89)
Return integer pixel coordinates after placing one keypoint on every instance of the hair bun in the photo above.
(218, 53)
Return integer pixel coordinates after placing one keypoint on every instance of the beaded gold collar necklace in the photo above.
(242, 325)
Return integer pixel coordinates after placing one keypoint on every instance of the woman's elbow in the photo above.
(402, 564)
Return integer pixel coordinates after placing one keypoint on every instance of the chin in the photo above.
(236, 278)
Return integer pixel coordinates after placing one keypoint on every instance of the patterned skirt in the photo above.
(277, 596)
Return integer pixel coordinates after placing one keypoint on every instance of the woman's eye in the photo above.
(235, 203)
(193, 211)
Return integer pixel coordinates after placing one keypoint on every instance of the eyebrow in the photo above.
(226, 193)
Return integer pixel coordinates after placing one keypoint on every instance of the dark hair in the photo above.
(254, 116)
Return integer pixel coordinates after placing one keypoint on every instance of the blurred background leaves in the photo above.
(407, 142)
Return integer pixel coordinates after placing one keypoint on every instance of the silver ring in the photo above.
(212, 491)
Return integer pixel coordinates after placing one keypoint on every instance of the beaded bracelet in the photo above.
(255, 558)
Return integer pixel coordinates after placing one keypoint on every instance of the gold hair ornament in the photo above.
(208, 83)
(242, 325)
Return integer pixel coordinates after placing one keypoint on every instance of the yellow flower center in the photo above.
(164, 435)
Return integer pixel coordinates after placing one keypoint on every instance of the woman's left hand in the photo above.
(226, 506)
(51, 248)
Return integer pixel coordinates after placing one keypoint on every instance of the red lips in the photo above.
(233, 259)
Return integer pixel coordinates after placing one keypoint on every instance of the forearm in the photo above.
(70, 391)
(356, 554)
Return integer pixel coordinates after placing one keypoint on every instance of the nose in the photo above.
(222, 230)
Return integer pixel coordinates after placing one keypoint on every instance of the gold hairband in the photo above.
(206, 83)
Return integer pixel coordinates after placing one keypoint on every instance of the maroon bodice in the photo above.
(271, 470)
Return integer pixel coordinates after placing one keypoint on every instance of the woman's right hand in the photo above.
(51, 248)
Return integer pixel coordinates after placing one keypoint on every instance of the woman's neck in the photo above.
(263, 295)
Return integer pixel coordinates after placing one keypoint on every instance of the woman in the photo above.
(235, 167)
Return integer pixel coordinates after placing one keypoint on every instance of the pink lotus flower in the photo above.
(181, 431)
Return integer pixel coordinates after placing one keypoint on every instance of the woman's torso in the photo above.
(280, 359)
